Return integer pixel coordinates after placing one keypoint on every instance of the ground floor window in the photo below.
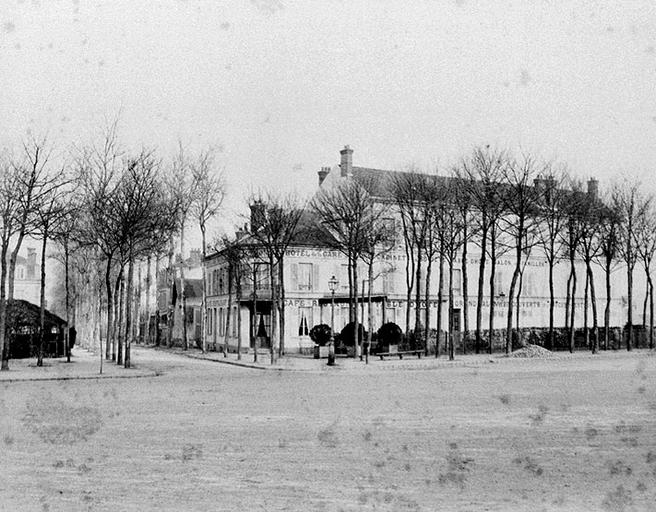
(305, 321)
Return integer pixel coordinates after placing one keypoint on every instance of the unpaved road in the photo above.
(527, 435)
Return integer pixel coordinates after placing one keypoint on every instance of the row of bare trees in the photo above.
(502, 205)
(107, 210)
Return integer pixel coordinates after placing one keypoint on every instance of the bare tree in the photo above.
(51, 212)
(411, 193)
(552, 213)
(607, 257)
(65, 234)
(646, 246)
(209, 185)
(147, 218)
(520, 201)
(276, 219)
(98, 167)
(630, 204)
(183, 186)
(378, 241)
(9, 208)
(572, 235)
(479, 175)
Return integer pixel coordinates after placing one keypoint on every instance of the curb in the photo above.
(83, 377)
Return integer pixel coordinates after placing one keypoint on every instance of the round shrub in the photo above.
(320, 334)
(390, 334)
(348, 333)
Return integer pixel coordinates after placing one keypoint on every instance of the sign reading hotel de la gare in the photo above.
(394, 256)
(400, 303)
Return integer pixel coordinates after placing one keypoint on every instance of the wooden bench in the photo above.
(418, 353)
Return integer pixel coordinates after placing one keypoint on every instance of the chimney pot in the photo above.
(322, 174)
(346, 162)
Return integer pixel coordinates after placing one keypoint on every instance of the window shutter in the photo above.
(316, 285)
(294, 274)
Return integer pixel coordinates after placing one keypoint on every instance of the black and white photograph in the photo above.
(338, 256)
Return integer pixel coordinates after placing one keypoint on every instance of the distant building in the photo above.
(169, 297)
(27, 282)
(309, 264)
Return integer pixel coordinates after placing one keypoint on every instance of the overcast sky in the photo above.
(279, 86)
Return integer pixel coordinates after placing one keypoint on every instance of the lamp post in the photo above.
(332, 286)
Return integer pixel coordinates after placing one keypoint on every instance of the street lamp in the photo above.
(332, 286)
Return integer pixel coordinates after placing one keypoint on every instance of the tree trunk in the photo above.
(651, 311)
(116, 324)
(552, 304)
(586, 332)
(110, 308)
(629, 338)
(595, 320)
(119, 323)
(228, 313)
(409, 280)
(511, 292)
(238, 296)
(572, 304)
(137, 332)
(418, 296)
(254, 320)
(607, 309)
(203, 300)
(42, 330)
(451, 329)
(493, 271)
(370, 311)
(509, 318)
(128, 310)
(148, 285)
(3, 302)
(520, 285)
(172, 301)
(357, 345)
(481, 284)
(158, 332)
(465, 287)
(429, 271)
(440, 295)
(67, 332)
(183, 293)
(281, 306)
(274, 311)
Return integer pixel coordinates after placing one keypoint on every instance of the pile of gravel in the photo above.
(531, 351)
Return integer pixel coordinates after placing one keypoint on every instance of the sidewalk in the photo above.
(83, 365)
(299, 363)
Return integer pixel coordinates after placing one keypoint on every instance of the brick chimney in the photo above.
(322, 174)
(257, 215)
(593, 189)
(346, 162)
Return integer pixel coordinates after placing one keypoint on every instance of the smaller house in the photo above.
(23, 331)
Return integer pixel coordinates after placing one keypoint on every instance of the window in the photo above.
(305, 276)
(344, 276)
(305, 322)
(262, 272)
(388, 282)
(390, 229)
(457, 281)
(498, 282)
(209, 321)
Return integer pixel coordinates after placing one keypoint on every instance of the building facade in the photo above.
(310, 263)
